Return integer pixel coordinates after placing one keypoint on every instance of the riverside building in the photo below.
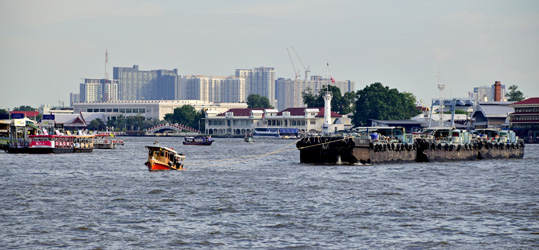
(240, 122)
(150, 109)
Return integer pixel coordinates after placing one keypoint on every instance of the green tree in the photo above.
(514, 95)
(96, 124)
(121, 123)
(378, 102)
(257, 101)
(339, 103)
(24, 108)
(186, 115)
(112, 124)
(148, 123)
(3, 111)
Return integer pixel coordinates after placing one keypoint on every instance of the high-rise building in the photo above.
(73, 98)
(494, 93)
(135, 84)
(289, 92)
(213, 88)
(260, 81)
(247, 75)
(98, 90)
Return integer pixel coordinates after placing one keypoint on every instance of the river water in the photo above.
(109, 200)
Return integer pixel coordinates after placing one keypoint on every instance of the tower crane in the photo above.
(306, 68)
(296, 73)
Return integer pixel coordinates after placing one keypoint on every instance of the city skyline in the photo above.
(48, 47)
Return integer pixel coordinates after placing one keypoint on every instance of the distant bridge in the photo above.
(167, 127)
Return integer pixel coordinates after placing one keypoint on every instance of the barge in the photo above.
(392, 145)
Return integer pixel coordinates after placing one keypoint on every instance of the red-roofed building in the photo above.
(525, 119)
(239, 122)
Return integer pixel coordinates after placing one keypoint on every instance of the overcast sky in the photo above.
(46, 47)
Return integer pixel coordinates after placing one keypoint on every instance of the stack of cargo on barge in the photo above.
(392, 145)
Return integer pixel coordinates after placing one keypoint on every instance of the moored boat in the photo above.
(163, 158)
(198, 140)
(266, 133)
(50, 144)
(83, 143)
(104, 141)
(392, 145)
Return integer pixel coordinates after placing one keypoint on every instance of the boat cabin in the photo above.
(162, 158)
(382, 134)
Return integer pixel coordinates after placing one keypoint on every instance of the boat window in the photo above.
(455, 134)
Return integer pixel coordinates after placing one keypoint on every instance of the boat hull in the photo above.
(105, 146)
(40, 150)
(83, 150)
(158, 166)
(334, 150)
(198, 143)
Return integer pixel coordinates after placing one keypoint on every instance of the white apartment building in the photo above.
(259, 81)
(213, 88)
(98, 90)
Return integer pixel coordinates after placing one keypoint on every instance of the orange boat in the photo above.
(162, 158)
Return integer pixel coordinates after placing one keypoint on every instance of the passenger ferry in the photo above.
(162, 158)
(266, 133)
(50, 144)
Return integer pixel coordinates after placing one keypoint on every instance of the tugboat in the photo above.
(163, 158)
(198, 140)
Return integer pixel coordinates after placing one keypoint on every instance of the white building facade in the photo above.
(150, 109)
(239, 122)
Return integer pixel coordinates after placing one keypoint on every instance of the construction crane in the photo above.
(293, 66)
(306, 68)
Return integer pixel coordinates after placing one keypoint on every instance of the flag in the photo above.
(332, 80)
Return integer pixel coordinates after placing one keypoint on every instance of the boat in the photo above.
(104, 141)
(163, 158)
(266, 133)
(249, 139)
(50, 144)
(198, 140)
(83, 143)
